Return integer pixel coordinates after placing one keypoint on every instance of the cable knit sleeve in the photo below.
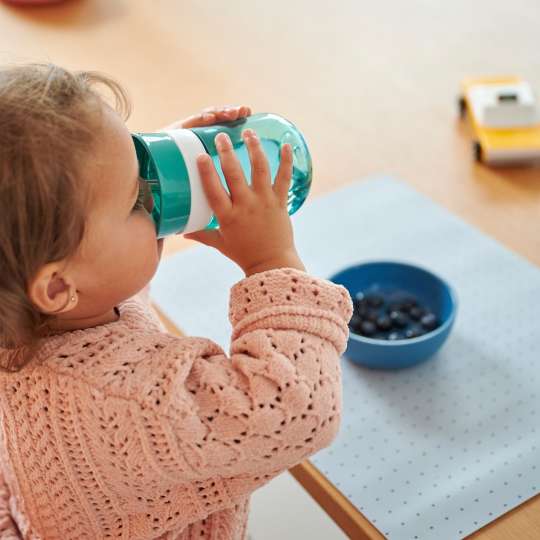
(272, 403)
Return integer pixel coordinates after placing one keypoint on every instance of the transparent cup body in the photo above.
(273, 131)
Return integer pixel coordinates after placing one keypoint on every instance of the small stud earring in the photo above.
(73, 299)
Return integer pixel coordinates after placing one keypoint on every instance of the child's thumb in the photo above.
(210, 238)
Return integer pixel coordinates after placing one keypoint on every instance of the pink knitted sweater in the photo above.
(126, 431)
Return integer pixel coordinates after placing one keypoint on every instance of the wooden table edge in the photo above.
(346, 516)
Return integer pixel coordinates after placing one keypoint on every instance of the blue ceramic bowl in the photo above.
(390, 278)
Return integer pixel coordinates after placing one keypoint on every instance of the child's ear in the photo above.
(52, 290)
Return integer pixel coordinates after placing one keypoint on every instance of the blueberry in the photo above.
(416, 313)
(359, 296)
(371, 316)
(429, 321)
(360, 304)
(393, 336)
(392, 306)
(375, 300)
(384, 322)
(399, 319)
(360, 307)
(368, 328)
(413, 333)
(355, 324)
(407, 303)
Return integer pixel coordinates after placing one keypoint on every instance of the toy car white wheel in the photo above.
(462, 107)
(478, 152)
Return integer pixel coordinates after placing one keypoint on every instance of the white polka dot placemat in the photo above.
(435, 451)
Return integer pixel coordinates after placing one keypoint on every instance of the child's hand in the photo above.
(255, 228)
(211, 115)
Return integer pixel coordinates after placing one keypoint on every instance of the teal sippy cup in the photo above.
(167, 161)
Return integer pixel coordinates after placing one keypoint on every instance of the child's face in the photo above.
(119, 253)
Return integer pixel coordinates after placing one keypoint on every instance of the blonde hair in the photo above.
(49, 118)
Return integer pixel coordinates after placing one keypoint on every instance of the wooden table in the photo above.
(372, 85)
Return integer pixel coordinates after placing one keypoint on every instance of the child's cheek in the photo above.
(145, 239)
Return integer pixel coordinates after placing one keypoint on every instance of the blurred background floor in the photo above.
(283, 509)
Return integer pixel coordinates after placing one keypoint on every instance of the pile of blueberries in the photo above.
(399, 317)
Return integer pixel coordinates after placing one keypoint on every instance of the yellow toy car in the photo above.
(504, 117)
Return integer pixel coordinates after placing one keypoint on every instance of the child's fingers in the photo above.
(217, 196)
(245, 111)
(233, 112)
(225, 114)
(260, 171)
(213, 115)
(234, 175)
(198, 120)
(228, 113)
(282, 182)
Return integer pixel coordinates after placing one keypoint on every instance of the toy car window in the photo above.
(507, 98)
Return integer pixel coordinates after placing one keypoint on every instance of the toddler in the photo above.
(112, 427)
